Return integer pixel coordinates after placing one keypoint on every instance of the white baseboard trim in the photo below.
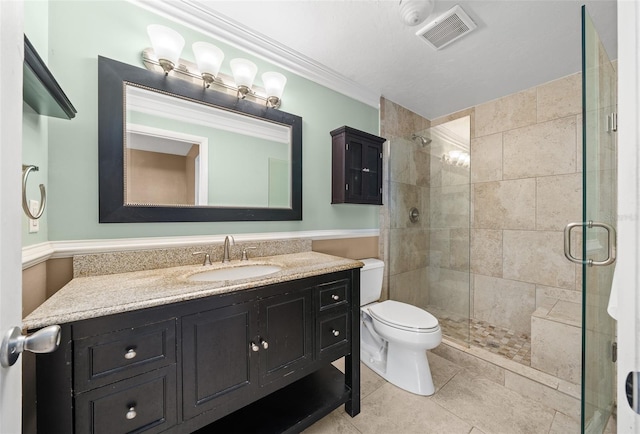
(38, 253)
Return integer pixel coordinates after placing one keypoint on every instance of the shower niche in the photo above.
(356, 168)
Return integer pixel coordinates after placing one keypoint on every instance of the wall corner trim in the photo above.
(37, 253)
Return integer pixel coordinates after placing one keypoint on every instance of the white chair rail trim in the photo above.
(37, 253)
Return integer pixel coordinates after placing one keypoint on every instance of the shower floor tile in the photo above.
(498, 340)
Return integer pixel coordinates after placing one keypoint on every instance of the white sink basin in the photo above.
(235, 273)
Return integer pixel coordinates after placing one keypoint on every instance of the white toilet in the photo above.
(395, 336)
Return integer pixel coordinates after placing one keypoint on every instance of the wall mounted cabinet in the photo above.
(257, 360)
(40, 88)
(356, 175)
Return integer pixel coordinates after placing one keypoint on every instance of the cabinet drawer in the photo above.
(333, 331)
(110, 357)
(334, 294)
(146, 403)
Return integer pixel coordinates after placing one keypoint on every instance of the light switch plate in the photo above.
(34, 225)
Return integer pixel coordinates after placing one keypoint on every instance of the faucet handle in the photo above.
(244, 252)
(207, 257)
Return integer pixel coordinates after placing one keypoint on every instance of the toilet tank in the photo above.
(371, 280)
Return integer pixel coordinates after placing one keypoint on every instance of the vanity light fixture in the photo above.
(167, 44)
(244, 72)
(208, 58)
(274, 83)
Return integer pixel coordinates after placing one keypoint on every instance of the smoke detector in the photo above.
(414, 12)
(448, 27)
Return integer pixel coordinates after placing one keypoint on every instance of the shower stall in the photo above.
(430, 238)
(429, 187)
(475, 222)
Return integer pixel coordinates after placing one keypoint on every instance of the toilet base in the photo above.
(407, 369)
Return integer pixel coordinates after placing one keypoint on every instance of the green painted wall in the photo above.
(35, 129)
(78, 33)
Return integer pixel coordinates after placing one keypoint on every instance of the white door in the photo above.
(12, 52)
(627, 270)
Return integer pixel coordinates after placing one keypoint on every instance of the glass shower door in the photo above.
(599, 95)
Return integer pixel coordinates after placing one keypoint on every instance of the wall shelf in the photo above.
(40, 88)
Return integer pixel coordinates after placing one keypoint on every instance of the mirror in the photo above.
(171, 150)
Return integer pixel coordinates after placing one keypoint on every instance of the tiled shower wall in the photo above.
(405, 185)
(525, 187)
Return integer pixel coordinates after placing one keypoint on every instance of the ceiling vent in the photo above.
(445, 29)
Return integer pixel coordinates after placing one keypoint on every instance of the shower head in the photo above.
(422, 140)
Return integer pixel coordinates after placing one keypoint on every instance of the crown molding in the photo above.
(235, 34)
(38, 253)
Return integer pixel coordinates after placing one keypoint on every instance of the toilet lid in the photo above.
(403, 316)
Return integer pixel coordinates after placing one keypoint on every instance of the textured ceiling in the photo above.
(517, 45)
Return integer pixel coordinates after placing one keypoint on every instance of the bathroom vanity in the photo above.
(153, 351)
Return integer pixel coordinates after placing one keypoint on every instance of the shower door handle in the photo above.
(611, 243)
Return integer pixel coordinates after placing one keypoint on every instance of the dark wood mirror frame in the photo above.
(112, 77)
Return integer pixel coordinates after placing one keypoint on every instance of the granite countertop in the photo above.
(90, 297)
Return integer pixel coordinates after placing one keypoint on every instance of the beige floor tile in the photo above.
(493, 408)
(369, 380)
(564, 425)
(392, 410)
(476, 431)
(336, 422)
(442, 370)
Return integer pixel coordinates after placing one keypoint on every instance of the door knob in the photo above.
(45, 340)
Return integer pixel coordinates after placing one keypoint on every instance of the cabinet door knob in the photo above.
(335, 332)
(335, 297)
(131, 414)
(264, 344)
(130, 354)
(254, 347)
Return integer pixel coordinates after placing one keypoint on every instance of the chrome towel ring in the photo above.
(25, 203)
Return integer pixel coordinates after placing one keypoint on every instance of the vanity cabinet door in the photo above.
(286, 334)
(218, 359)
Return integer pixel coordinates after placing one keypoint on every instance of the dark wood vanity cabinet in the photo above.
(250, 344)
(356, 169)
(224, 363)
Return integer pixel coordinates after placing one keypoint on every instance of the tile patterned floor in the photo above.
(464, 403)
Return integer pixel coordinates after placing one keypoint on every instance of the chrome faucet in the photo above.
(225, 257)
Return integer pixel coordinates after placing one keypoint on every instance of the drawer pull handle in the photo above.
(264, 344)
(254, 347)
(336, 297)
(335, 332)
(131, 414)
(130, 354)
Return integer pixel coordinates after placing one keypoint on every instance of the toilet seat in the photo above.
(403, 316)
